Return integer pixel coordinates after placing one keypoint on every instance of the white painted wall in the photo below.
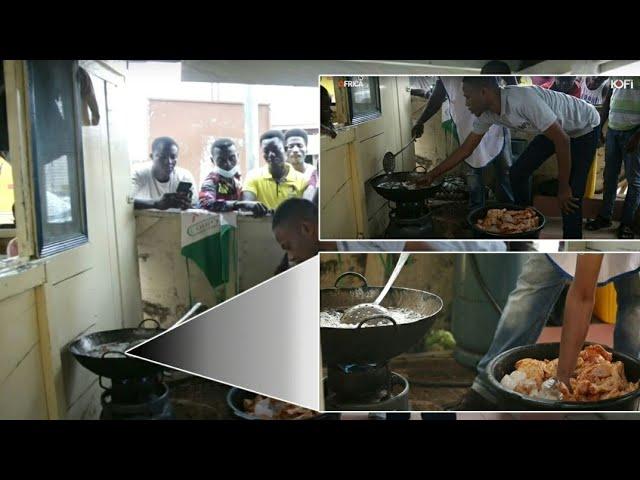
(290, 106)
(355, 156)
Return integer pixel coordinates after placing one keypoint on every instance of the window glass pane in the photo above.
(365, 98)
(56, 176)
(57, 154)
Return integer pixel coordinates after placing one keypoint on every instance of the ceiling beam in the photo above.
(568, 67)
(306, 72)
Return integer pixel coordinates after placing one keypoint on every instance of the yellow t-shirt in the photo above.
(272, 194)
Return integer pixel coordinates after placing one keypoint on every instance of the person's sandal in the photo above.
(625, 232)
(597, 224)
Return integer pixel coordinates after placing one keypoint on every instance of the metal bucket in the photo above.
(474, 318)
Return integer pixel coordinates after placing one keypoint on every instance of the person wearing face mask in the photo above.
(277, 180)
(155, 183)
(221, 191)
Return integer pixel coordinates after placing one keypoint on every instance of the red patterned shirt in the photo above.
(217, 188)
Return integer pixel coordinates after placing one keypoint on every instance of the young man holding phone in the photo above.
(160, 183)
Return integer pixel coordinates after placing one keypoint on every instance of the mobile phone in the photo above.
(184, 187)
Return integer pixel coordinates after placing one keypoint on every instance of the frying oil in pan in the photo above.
(393, 185)
(331, 318)
(119, 347)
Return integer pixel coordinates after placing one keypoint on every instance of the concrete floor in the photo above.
(553, 231)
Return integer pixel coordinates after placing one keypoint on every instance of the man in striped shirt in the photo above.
(222, 189)
(622, 107)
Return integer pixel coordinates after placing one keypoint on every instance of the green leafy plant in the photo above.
(440, 340)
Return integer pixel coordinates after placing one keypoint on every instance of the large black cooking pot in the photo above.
(504, 364)
(403, 195)
(115, 364)
(380, 343)
(235, 401)
(478, 213)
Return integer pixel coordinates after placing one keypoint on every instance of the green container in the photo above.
(474, 319)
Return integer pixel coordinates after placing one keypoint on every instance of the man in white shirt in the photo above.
(594, 90)
(565, 125)
(296, 141)
(155, 183)
(295, 144)
(492, 150)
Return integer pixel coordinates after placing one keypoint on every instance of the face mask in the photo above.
(227, 173)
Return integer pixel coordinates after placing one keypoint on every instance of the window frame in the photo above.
(17, 123)
(360, 118)
(43, 246)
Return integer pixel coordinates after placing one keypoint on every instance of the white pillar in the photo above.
(251, 128)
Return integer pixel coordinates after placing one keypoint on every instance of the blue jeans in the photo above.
(583, 150)
(531, 302)
(614, 156)
(501, 164)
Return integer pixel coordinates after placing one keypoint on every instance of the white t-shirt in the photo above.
(613, 265)
(308, 170)
(594, 97)
(146, 187)
(533, 109)
(491, 144)
(486, 246)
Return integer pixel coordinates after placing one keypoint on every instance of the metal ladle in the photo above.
(186, 316)
(389, 159)
(357, 313)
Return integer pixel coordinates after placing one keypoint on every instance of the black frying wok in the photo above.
(380, 343)
(115, 364)
(403, 195)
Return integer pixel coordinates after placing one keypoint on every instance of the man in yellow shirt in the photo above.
(276, 181)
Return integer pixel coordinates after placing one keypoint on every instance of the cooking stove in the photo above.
(365, 387)
(409, 220)
(416, 220)
(145, 398)
(357, 359)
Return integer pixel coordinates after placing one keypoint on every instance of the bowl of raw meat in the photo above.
(251, 406)
(506, 220)
(604, 380)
